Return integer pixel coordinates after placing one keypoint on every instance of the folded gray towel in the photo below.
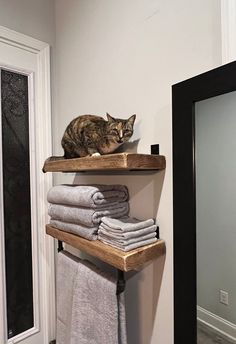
(117, 234)
(89, 233)
(124, 242)
(129, 247)
(91, 196)
(126, 223)
(98, 317)
(86, 216)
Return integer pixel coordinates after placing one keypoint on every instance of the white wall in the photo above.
(31, 17)
(216, 199)
(35, 18)
(122, 57)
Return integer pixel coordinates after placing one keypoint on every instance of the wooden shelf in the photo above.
(109, 162)
(125, 162)
(124, 261)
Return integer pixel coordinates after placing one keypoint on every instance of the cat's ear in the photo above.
(109, 118)
(131, 119)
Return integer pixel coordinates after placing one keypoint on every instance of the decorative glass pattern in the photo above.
(17, 207)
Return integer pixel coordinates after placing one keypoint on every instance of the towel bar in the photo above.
(120, 273)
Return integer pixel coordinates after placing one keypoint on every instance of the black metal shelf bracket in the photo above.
(155, 149)
(120, 282)
(60, 246)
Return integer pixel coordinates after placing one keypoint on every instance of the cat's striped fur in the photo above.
(93, 135)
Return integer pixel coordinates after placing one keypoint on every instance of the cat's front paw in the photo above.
(96, 154)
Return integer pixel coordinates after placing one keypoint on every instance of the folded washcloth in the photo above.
(126, 223)
(117, 234)
(91, 196)
(124, 242)
(98, 316)
(89, 233)
(127, 247)
(88, 217)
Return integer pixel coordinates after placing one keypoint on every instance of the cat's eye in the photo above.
(114, 131)
(127, 132)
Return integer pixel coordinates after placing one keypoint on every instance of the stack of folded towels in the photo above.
(79, 209)
(127, 233)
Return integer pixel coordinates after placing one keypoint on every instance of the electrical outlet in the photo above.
(224, 297)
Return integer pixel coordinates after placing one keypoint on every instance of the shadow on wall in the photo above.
(142, 295)
(158, 268)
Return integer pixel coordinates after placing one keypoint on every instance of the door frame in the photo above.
(228, 30)
(43, 149)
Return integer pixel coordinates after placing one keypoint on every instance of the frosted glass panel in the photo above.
(17, 208)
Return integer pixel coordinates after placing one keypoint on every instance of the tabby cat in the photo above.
(93, 135)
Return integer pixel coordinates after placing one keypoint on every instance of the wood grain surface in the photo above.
(124, 261)
(109, 162)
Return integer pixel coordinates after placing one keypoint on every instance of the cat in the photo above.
(91, 135)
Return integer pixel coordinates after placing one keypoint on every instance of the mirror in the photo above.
(204, 169)
(215, 145)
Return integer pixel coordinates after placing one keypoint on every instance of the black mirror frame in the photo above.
(184, 96)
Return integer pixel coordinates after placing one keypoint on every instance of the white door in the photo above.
(27, 305)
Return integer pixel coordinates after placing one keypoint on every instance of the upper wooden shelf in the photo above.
(109, 162)
(124, 261)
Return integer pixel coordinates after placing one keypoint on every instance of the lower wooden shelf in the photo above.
(124, 261)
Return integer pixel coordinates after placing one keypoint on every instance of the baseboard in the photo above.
(217, 323)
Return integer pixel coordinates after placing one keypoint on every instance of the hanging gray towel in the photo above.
(89, 233)
(88, 217)
(67, 266)
(98, 317)
(91, 196)
(87, 305)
